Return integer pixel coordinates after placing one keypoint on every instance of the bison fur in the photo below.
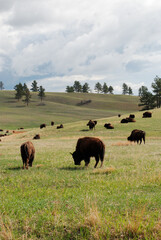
(27, 153)
(136, 136)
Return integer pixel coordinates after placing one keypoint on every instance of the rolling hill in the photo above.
(62, 108)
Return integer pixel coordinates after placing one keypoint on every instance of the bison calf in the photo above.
(136, 136)
(27, 154)
(89, 147)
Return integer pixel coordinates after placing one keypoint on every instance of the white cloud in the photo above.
(114, 41)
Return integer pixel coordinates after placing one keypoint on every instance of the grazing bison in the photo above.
(109, 126)
(60, 126)
(147, 115)
(27, 154)
(52, 123)
(136, 136)
(124, 120)
(119, 115)
(91, 124)
(43, 125)
(89, 147)
(37, 136)
(131, 116)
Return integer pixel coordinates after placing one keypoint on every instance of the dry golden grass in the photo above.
(122, 144)
(5, 230)
(104, 170)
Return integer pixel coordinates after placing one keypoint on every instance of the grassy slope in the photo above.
(57, 200)
(61, 108)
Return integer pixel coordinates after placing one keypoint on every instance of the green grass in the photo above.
(57, 200)
(61, 108)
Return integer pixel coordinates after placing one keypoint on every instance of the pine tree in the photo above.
(34, 87)
(98, 87)
(27, 96)
(19, 91)
(69, 89)
(1, 85)
(85, 88)
(157, 90)
(130, 91)
(105, 88)
(124, 88)
(110, 89)
(77, 86)
(41, 93)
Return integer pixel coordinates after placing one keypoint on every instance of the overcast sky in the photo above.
(56, 42)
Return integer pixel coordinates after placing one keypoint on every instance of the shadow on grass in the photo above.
(72, 168)
(84, 130)
(14, 168)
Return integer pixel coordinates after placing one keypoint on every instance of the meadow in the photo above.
(57, 200)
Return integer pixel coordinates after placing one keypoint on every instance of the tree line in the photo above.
(77, 87)
(23, 91)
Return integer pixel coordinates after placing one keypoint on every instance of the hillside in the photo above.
(62, 108)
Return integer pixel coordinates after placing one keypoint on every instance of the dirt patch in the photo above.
(122, 144)
(17, 132)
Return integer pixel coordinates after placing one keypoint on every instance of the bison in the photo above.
(43, 125)
(109, 126)
(27, 153)
(52, 123)
(136, 136)
(91, 124)
(131, 116)
(60, 126)
(124, 120)
(147, 115)
(131, 119)
(89, 147)
(119, 115)
(37, 136)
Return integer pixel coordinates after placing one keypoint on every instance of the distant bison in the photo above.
(131, 119)
(37, 136)
(131, 116)
(91, 124)
(27, 154)
(119, 115)
(60, 126)
(43, 125)
(147, 115)
(136, 136)
(124, 120)
(109, 126)
(89, 147)
(1, 130)
(52, 123)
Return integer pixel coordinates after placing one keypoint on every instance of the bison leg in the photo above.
(30, 161)
(97, 160)
(87, 160)
(23, 164)
(27, 163)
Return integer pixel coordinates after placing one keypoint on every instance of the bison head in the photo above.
(129, 138)
(76, 157)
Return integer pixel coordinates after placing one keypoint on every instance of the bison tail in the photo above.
(102, 152)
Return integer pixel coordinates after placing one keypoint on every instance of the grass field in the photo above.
(57, 200)
(61, 108)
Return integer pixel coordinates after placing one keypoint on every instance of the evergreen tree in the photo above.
(1, 85)
(157, 90)
(147, 100)
(41, 93)
(77, 86)
(124, 88)
(105, 88)
(85, 88)
(110, 89)
(34, 87)
(25, 88)
(19, 91)
(69, 89)
(142, 89)
(27, 95)
(98, 87)
(130, 91)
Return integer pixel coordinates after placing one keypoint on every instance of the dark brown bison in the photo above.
(147, 115)
(119, 115)
(136, 136)
(89, 147)
(124, 120)
(109, 126)
(1, 130)
(131, 119)
(52, 123)
(37, 136)
(27, 154)
(43, 125)
(91, 124)
(131, 116)
(60, 126)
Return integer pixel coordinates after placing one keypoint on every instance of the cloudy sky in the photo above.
(56, 42)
